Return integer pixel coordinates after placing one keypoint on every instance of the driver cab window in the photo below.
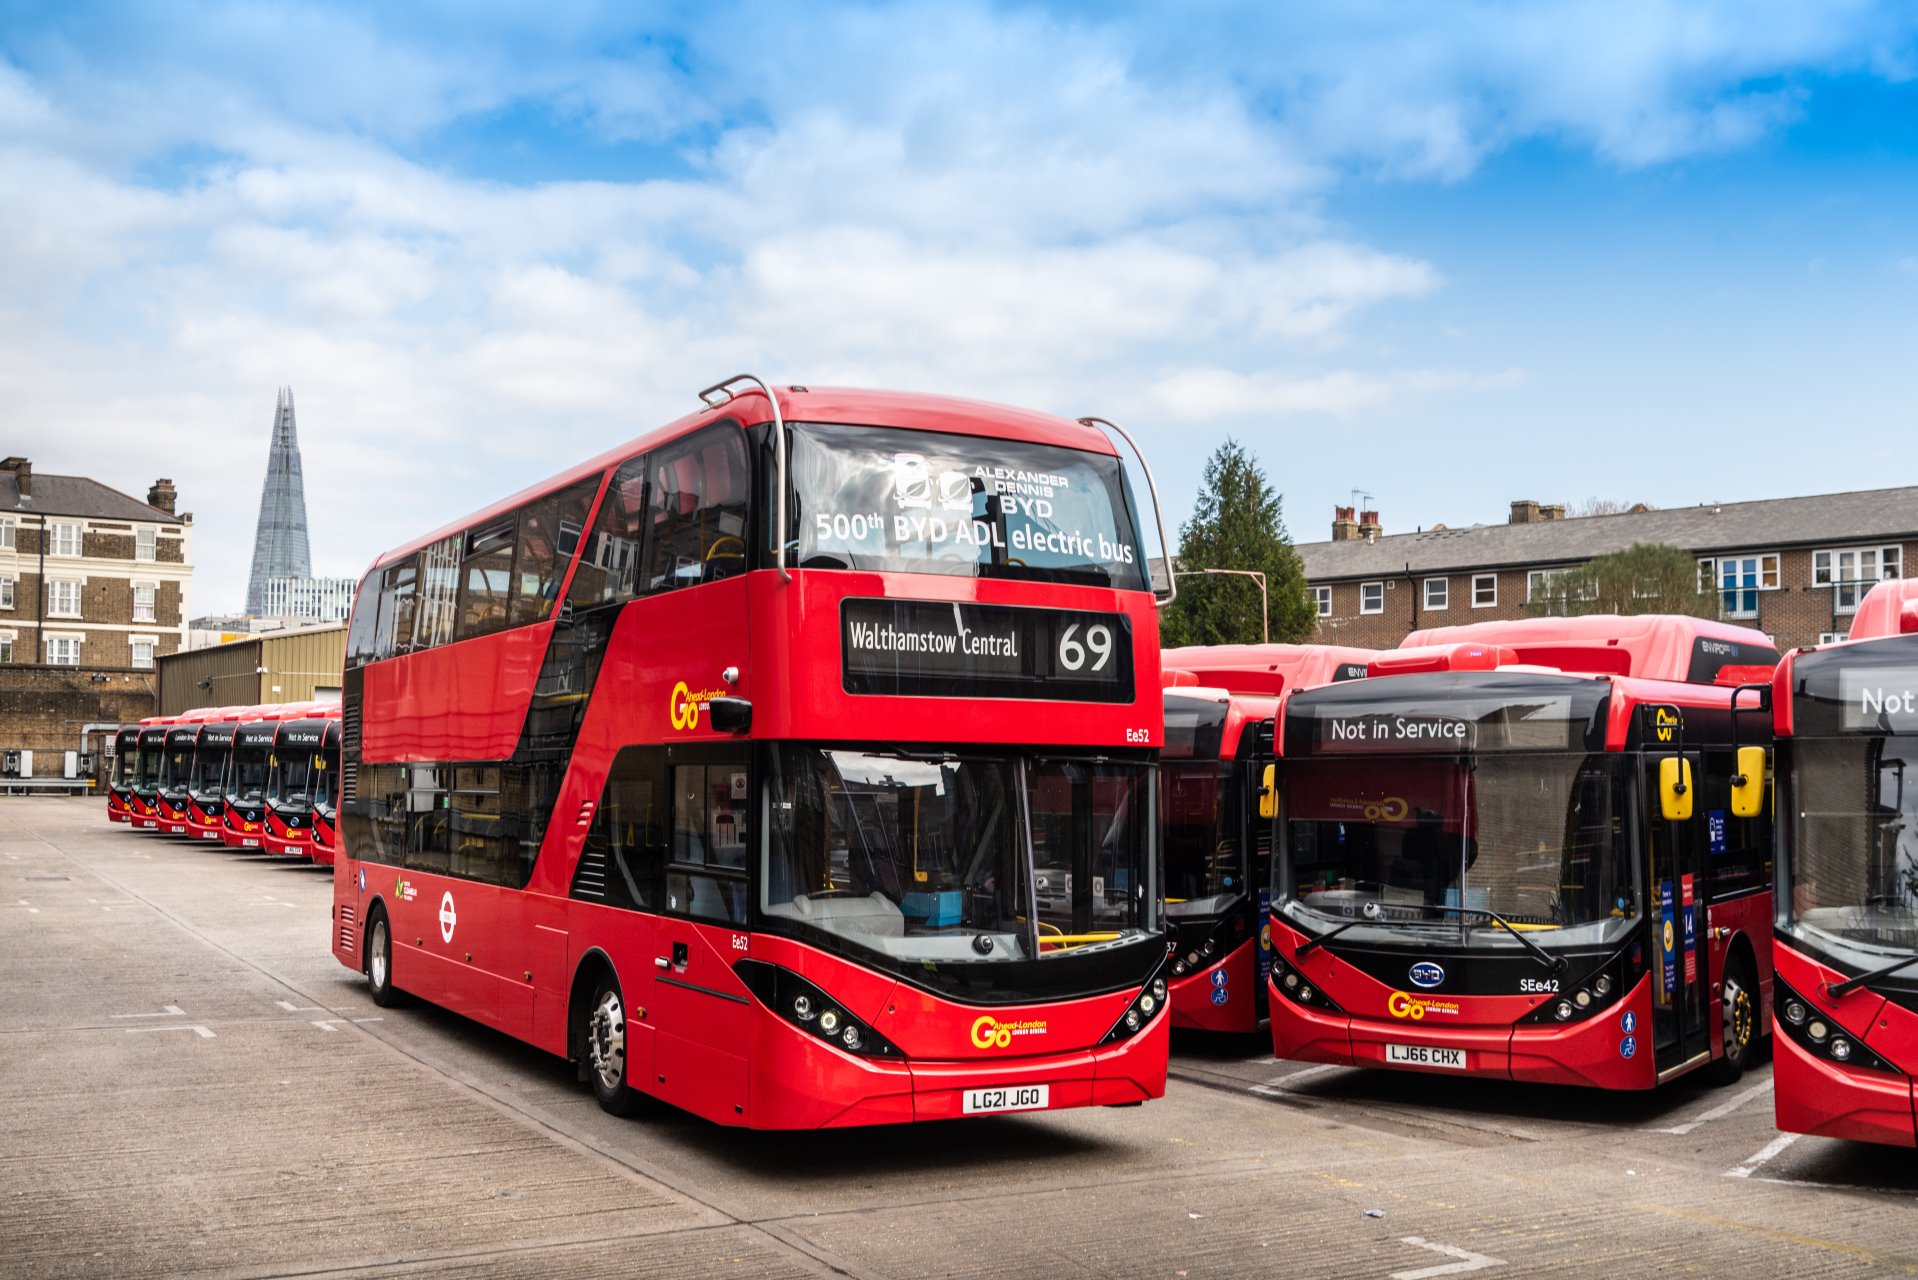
(706, 877)
(696, 508)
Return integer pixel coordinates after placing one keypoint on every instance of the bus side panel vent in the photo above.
(589, 881)
(349, 920)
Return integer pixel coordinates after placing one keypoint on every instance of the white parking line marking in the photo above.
(1719, 1112)
(333, 1024)
(295, 1008)
(1274, 1088)
(166, 1011)
(32, 911)
(325, 1025)
(1769, 1150)
(1467, 1260)
(203, 1032)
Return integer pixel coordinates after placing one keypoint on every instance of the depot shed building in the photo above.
(301, 665)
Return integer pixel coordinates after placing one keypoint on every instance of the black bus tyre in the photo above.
(603, 1049)
(1740, 1005)
(379, 962)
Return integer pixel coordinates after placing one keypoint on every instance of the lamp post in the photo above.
(1265, 614)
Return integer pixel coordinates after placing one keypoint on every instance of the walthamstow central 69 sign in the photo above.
(927, 649)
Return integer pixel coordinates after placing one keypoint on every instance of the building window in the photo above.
(63, 651)
(64, 540)
(1371, 597)
(1832, 637)
(6, 648)
(1437, 593)
(6, 593)
(63, 599)
(143, 604)
(6, 535)
(143, 653)
(145, 544)
(1484, 590)
(1740, 579)
(1322, 598)
(1852, 572)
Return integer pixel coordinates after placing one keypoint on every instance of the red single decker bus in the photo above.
(206, 792)
(326, 792)
(249, 771)
(1530, 850)
(296, 767)
(1216, 792)
(126, 767)
(1847, 928)
(793, 765)
(143, 793)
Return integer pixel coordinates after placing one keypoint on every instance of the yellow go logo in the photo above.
(1401, 1005)
(1390, 809)
(988, 1034)
(683, 710)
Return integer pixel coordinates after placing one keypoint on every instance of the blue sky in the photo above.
(1447, 254)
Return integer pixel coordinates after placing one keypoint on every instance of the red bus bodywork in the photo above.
(288, 827)
(1514, 768)
(248, 772)
(722, 1017)
(126, 765)
(1846, 1013)
(1224, 700)
(206, 796)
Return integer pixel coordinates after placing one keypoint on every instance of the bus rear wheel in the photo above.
(1740, 1004)
(605, 1050)
(379, 962)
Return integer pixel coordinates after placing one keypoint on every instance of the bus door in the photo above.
(701, 1013)
(1675, 895)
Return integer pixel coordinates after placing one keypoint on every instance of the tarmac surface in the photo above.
(193, 1086)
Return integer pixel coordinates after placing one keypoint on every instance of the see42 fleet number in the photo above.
(1538, 986)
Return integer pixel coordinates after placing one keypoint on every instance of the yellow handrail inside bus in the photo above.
(1074, 939)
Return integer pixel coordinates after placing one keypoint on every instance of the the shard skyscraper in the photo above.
(279, 544)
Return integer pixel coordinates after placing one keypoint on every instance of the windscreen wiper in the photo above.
(1839, 990)
(1370, 913)
(1555, 963)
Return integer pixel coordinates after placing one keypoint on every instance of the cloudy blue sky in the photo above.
(1450, 254)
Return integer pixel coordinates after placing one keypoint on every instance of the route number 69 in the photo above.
(1072, 654)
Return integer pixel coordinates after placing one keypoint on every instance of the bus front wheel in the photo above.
(605, 1050)
(1740, 1006)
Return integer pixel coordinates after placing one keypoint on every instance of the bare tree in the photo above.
(1607, 507)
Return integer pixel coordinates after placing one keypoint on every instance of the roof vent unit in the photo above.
(1443, 657)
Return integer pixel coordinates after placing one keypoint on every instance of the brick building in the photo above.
(1794, 568)
(93, 589)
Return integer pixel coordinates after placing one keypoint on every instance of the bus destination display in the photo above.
(929, 649)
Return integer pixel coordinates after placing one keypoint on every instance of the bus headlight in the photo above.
(803, 1005)
(1795, 1013)
(1291, 980)
(1192, 959)
(1583, 999)
(1841, 1048)
(1564, 1011)
(1158, 988)
(1604, 984)
(1178, 967)
(829, 1021)
(1132, 1020)
(850, 1037)
(1147, 1004)
(802, 1008)
(1817, 1030)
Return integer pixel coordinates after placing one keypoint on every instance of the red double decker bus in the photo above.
(1847, 928)
(793, 765)
(1530, 850)
(143, 791)
(1216, 781)
(126, 767)
(296, 768)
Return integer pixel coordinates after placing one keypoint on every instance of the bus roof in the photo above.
(1237, 711)
(853, 406)
(1888, 609)
(1646, 646)
(1270, 669)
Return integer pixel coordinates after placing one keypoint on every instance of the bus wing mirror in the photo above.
(1269, 793)
(1748, 786)
(1675, 788)
(730, 715)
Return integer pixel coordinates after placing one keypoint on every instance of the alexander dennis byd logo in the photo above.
(1426, 974)
(990, 1033)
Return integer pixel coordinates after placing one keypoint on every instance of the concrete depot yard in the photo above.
(194, 1087)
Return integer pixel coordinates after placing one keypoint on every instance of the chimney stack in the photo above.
(1525, 511)
(22, 474)
(1554, 511)
(1344, 527)
(1369, 526)
(161, 495)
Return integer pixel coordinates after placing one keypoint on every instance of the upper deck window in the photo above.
(881, 498)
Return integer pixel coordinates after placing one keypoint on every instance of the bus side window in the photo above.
(624, 861)
(606, 571)
(549, 534)
(696, 511)
(439, 584)
(396, 609)
(486, 572)
(1738, 850)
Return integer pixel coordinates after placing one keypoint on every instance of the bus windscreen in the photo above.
(1532, 837)
(1854, 850)
(972, 506)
